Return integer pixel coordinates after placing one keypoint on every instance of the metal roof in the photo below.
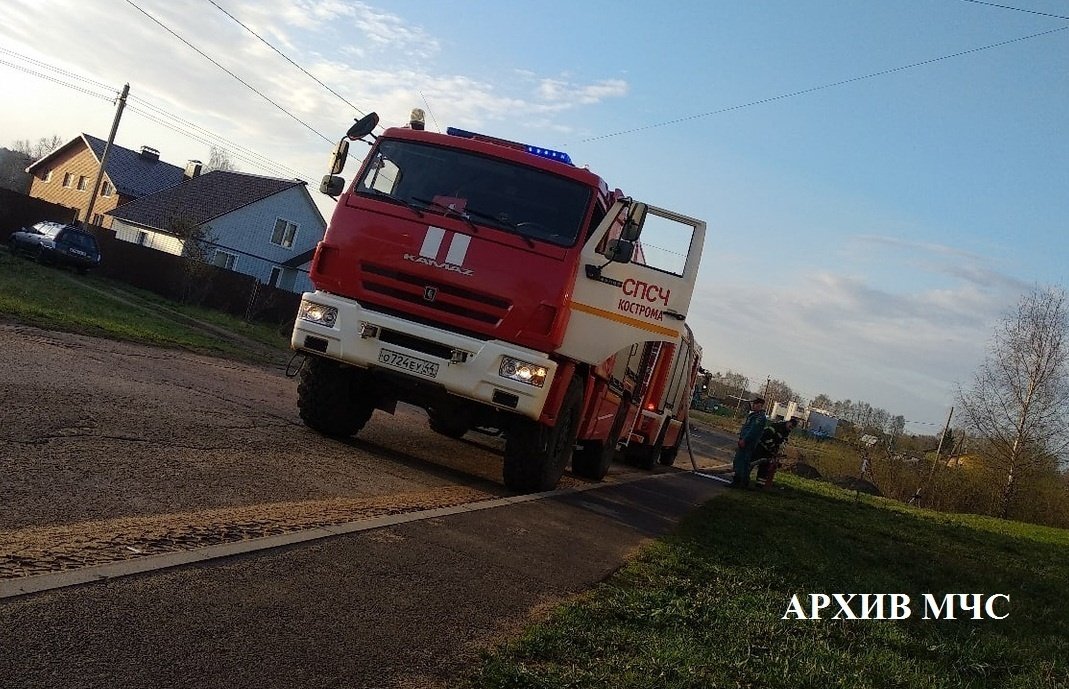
(201, 199)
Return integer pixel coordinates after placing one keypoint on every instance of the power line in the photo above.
(822, 87)
(245, 154)
(53, 68)
(285, 57)
(1016, 9)
(213, 135)
(242, 81)
(48, 77)
(258, 161)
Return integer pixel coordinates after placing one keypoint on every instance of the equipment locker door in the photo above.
(616, 304)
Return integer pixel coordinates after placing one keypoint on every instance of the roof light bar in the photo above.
(559, 156)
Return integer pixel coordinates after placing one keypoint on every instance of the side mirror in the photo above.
(332, 185)
(338, 156)
(364, 126)
(636, 215)
(619, 250)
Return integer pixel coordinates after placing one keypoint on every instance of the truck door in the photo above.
(616, 304)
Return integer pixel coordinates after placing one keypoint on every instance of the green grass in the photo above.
(55, 299)
(704, 607)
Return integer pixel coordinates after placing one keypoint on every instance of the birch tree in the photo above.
(1018, 402)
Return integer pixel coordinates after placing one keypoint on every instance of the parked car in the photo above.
(53, 242)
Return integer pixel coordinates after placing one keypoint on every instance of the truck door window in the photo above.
(664, 244)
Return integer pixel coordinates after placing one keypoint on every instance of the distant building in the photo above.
(67, 174)
(822, 422)
(261, 226)
(791, 410)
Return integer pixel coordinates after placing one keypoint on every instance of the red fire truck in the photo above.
(495, 285)
(671, 370)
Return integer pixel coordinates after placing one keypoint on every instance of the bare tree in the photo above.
(219, 159)
(40, 148)
(198, 250)
(1019, 396)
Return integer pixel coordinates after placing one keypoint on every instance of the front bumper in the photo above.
(358, 336)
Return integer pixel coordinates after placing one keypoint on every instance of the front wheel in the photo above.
(535, 455)
(333, 398)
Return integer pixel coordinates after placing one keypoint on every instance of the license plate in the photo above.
(79, 252)
(411, 364)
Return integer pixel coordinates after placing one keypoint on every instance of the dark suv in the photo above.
(53, 242)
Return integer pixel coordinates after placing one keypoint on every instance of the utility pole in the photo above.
(768, 384)
(104, 157)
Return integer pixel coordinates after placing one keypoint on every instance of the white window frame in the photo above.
(68, 180)
(275, 277)
(83, 182)
(106, 188)
(228, 263)
(286, 234)
(48, 176)
(142, 238)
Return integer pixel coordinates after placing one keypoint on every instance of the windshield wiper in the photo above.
(447, 211)
(389, 198)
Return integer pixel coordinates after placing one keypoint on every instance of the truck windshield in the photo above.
(484, 191)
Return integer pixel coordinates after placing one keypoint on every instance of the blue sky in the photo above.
(863, 239)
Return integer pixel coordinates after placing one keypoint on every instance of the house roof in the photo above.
(201, 199)
(131, 173)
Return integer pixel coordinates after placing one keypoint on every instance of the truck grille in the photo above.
(457, 301)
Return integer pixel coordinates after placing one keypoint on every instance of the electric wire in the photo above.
(813, 89)
(235, 76)
(247, 155)
(256, 160)
(1016, 9)
(286, 57)
(66, 73)
(55, 80)
(219, 140)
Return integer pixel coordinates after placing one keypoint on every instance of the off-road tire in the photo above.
(330, 400)
(669, 454)
(595, 458)
(535, 455)
(447, 427)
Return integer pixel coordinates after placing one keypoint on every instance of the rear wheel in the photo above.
(331, 399)
(535, 455)
(594, 460)
(668, 456)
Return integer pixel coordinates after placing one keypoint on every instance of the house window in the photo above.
(82, 183)
(284, 233)
(68, 178)
(276, 273)
(142, 237)
(48, 176)
(98, 219)
(106, 188)
(224, 259)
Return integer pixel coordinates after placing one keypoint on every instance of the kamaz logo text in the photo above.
(456, 249)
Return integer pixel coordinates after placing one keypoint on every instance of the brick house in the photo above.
(265, 227)
(67, 174)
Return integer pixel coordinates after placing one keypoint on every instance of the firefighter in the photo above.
(767, 452)
(749, 437)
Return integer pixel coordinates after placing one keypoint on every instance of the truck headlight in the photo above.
(523, 371)
(317, 313)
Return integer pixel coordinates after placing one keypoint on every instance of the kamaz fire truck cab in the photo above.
(493, 284)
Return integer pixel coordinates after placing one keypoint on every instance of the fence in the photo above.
(181, 279)
(19, 210)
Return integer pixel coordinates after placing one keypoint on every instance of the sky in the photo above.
(873, 209)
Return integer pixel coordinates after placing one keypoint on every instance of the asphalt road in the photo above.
(115, 452)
